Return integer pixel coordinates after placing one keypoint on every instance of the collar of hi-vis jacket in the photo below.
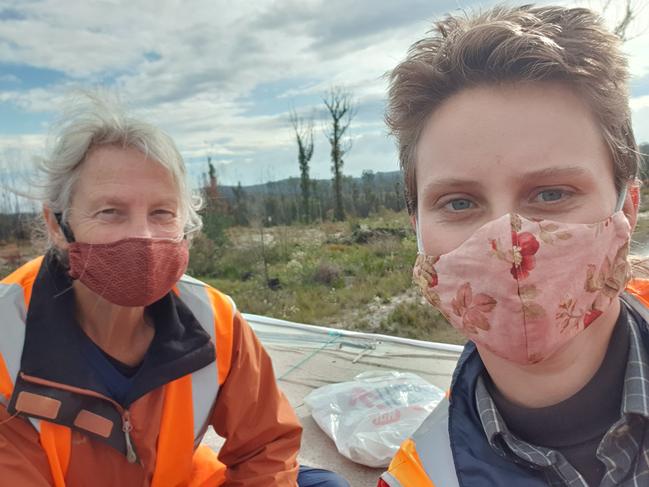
(56, 382)
(476, 463)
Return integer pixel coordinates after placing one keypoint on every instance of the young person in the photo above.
(516, 145)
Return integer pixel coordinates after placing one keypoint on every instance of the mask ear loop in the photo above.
(621, 199)
(65, 228)
(179, 238)
(420, 244)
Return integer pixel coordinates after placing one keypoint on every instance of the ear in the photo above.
(54, 229)
(632, 203)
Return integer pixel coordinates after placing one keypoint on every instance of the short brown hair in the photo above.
(506, 44)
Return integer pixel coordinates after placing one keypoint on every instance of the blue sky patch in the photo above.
(15, 121)
(25, 77)
(11, 14)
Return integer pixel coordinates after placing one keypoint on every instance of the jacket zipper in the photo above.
(131, 456)
(127, 426)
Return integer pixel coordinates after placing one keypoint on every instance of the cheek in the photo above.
(595, 207)
(440, 239)
(94, 232)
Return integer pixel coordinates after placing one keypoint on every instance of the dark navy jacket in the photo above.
(477, 464)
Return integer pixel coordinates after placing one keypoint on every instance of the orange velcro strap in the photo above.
(223, 319)
(406, 467)
(176, 440)
(56, 440)
(640, 289)
(6, 384)
(24, 276)
(207, 470)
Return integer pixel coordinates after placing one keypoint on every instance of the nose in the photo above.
(503, 206)
(141, 226)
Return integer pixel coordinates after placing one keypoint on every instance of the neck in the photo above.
(122, 332)
(561, 375)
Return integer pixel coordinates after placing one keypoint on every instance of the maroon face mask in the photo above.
(132, 271)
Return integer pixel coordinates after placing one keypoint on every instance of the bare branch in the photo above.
(625, 17)
(621, 28)
(342, 109)
(304, 136)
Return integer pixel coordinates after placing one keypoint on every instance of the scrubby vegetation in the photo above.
(354, 274)
(349, 274)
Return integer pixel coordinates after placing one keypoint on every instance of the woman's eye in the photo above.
(108, 211)
(551, 195)
(459, 204)
(165, 217)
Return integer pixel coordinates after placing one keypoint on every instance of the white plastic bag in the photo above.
(369, 417)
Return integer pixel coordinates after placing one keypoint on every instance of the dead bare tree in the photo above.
(304, 137)
(630, 12)
(342, 109)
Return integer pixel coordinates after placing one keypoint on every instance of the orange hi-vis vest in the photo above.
(188, 400)
(426, 459)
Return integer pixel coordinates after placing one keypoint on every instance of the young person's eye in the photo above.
(551, 195)
(459, 204)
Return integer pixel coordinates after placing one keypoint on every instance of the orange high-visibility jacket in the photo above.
(427, 459)
(59, 428)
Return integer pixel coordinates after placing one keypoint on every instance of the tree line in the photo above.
(290, 201)
(303, 199)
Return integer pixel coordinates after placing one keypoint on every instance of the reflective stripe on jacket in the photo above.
(187, 403)
(452, 439)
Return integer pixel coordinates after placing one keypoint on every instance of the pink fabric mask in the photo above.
(129, 272)
(523, 288)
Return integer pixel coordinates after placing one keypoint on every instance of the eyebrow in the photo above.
(549, 172)
(450, 183)
(555, 171)
(113, 201)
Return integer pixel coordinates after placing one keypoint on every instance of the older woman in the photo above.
(516, 143)
(112, 362)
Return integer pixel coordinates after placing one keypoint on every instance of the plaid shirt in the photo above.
(624, 450)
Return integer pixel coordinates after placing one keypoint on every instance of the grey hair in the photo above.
(95, 119)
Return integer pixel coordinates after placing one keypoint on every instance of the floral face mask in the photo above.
(523, 288)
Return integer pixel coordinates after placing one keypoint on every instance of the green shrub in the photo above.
(328, 274)
(203, 256)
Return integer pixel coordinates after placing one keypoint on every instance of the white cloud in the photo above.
(640, 102)
(20, 148)
(192, 67)
(641, 122)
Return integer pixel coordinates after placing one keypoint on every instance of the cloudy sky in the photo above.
(221, 77)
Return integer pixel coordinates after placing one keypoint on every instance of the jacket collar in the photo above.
(476, 463)
(56, 381)
(53, 340)
(472, 453)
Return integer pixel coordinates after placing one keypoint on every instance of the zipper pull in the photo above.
(127, 427)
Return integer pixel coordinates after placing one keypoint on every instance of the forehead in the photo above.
(499, 133)
(125, 173)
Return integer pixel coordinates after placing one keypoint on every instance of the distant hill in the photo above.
(381, 182)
